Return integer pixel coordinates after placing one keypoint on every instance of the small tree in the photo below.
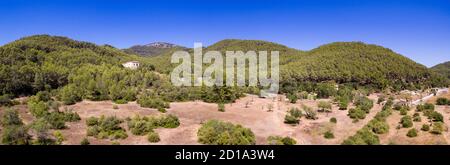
(442, 101)
(221, 107)
(328, 135)
(292, 98)
(333, 120)
(425, 127)
(438, 128)
(85, 141)
(11, 117)
(406, 122)
(309, 113)
(412, 133)
(324, 106)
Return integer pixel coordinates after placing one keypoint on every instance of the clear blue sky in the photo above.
(419, 30)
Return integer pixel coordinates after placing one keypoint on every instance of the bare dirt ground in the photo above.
(254, 116)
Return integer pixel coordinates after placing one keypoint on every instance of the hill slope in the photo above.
(364, 64)
(42, 62)
(153, 49)
(443, 69)
(341, 62)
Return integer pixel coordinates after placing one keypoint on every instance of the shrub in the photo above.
(59, 137)
(224, 133)
(10, 118)
(153, 137)
(378, 126)
(417, 118)
(403, 112)
(70, 95)
(425, 127)
(442, 101)
(144, 125)
(438, 128)
(364, 104)
(150, 102)
(381, 99)
(162, 110)
(37, 108)
(221, 107)
(309, 113)
(115, 107)
(437, 117)
(328, 135)
(106, 127)
(357, 113)
(56, 120)
(85, 141)
(289, 119)
(333, 120)
(362, 137)
(278, 140)
(120, 101)
(5, 100)
(406, 122)
(92, 121)
(15, 135)
(324, 106)
(292, 98)
(295, 112)
(343, 103)
(412, 133)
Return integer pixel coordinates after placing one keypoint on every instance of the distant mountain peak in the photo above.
(161, 45)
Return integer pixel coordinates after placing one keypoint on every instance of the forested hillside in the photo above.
(73, 70)
(443, 69)
(352, 63)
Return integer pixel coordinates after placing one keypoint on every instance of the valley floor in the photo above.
(254, 116)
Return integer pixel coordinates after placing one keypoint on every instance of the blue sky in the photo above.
(418, 29)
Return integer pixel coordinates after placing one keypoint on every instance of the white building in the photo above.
(131, 64)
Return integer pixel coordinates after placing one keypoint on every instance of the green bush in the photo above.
(292, 98)
(403, 112)
(70, 94)
(59, 137)
(362, 137)
(425, 127)
(278, 140)
(364, 104)
(417, 118)
(328, 135)
(289, 119)
(5, 100)
(442, 101)
(153, 137)
(426, 106)
(224, 133)
(333, 120)
(11, 118)
(105, 127)
(357, 113)
(412, 133)
(437, 117)
(144, 125)
(378, 126)
(221, 107)
(343, 103)
(162, 110)
(15, 135)
(309, 113)
(295, 112)
(406, 122)
(37, 108)
(149, 102)
(438, 128)
(85, 141)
